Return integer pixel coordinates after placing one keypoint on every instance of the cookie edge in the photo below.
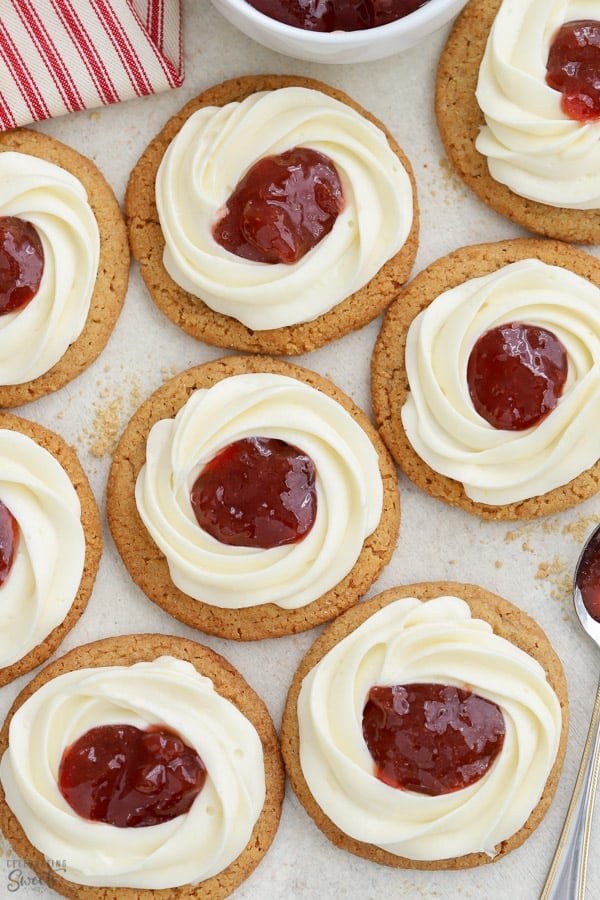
(459, 120)
(91, 522)
(112, 279)
(230, 683)
(192, 314)
(238, 624)
(389, 383)
(508, 621)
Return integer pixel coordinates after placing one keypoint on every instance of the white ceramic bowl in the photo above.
(340, 46)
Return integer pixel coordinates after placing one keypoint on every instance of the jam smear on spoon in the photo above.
(257, 492)
(282, 207)
(123, 776)
(431, 738)
(587, 577)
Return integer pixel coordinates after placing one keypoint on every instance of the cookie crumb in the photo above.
(168, 372)
(558, 572)
(110, 417)
(579, 529)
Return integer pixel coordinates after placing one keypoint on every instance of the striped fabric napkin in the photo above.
(58, 56)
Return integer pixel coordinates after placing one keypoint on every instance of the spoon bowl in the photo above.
(589, 624)
(586, 586)
(567, 875)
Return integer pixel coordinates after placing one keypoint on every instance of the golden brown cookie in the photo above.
(460, 119)
(194, 316)
(92, 526)
(126, 650)
(389, 382)
(148, 566)
(507, 621)
(113, 268)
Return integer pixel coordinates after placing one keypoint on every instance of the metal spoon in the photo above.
(566, 878)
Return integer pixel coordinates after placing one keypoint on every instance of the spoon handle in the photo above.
(566, 878)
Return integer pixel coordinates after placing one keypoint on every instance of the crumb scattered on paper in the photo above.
(112, 411)
(580, 529)
(558, 572)
(168, 372)
(446, 180)
(418, 890)
(576, 530)
(530, 530)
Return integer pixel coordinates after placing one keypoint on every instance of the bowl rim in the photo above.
(419, 18)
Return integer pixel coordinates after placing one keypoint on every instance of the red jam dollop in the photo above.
(588, 577)
(123, 776)
(336, 15)
(516, 374)
(431, 738)
(21, 263)
(283, 206)
(573, 68)
(257, 492)
(9, 539)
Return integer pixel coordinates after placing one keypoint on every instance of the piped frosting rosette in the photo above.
(48, 565)
(348, 483)
(211, 153)
(34, 338)
(500, 466)
(437, 641)
(531, 145)
(168, 692)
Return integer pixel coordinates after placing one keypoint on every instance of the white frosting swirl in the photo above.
(48, 565)
(167, 692)
(209, 156)
(499, 466)
(531, 145)
(33, 339)
(437, 641)
(348, 483)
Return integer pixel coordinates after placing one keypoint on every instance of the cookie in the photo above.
(495, 473)
(50, 502)
(86, 265)
(496, 644)
(460, 119)
(256, 307)
(142, 680)
(252, 591)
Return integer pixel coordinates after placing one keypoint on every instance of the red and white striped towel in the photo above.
(58, 56)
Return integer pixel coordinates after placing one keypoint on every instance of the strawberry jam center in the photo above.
(588, 577)
(336, 15)
(257, 492)
(9, 539)
(516, 374)
(21, 263)
(283, 206)
(123, 776)
(431, 738)
(573, 68)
